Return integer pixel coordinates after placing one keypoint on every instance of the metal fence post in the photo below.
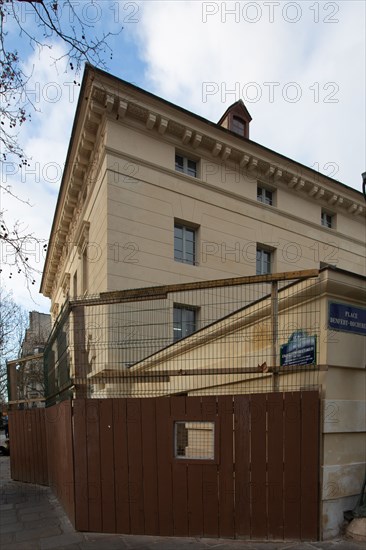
(274, 323)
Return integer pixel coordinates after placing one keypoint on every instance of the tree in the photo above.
(54, 20)
(13, 323)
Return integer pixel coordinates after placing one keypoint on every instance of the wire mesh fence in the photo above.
(243, 335)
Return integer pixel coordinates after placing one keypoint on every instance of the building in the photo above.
(153, 194)
(26, 382)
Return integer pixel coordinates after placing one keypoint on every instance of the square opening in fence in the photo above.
(194, 440)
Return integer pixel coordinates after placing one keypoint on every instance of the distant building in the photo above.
(30, 374)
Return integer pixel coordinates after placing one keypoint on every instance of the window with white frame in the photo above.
(184, 321)
(185, 165)
(184, 244)
(263, 261)
(265, 195)
(327, 220)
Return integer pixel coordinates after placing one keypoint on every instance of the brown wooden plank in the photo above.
(44, 461)
(14, 454)
(179, 476)
(65, 480)
(53, 446)
(209, 407)
(122, 495)
(194, 408)
(310, 426)
(292, 466)
(37, 421)
(164, 460)
(33, 436)
(81, 471)
(107, 466)
(242, 465)
(226, 468)
(28, 447)
(13, 429)
(71, 476)
(149, 466)
(22, 470)
(195, 499)
(210, 500)
(49, 434)
(31, 444)
(210, 488)
(178, 406)
(180, 499)
(24, 466)
(194, 477)
(258, 466)
(135, 466)
(38, 456)
(93, 464)
(275, 466)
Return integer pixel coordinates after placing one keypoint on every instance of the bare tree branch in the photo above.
(13, 323)
(16, 105)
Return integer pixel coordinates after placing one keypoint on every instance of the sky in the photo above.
(299, 67)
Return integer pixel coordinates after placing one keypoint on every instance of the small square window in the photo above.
(263, 261)
(194, 440)
(184, 321)
(265, 195)
(327, 220)
(186, 165)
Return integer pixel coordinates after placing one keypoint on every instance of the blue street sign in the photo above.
(347, 318)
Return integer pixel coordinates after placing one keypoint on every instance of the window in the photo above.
(264, 195)
(185, 165)
(85, 271)
(75, 285)
(263, 263)
(327, 220)
(194, 440)
(184, 244)
(184, 321)
(238, 125)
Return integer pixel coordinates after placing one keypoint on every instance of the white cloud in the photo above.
(45, 140)
(323, 53)
(180, 53)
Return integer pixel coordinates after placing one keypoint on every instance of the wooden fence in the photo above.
(115, 471)
(28, 447)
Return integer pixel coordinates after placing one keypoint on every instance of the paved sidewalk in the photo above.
(31, 518)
